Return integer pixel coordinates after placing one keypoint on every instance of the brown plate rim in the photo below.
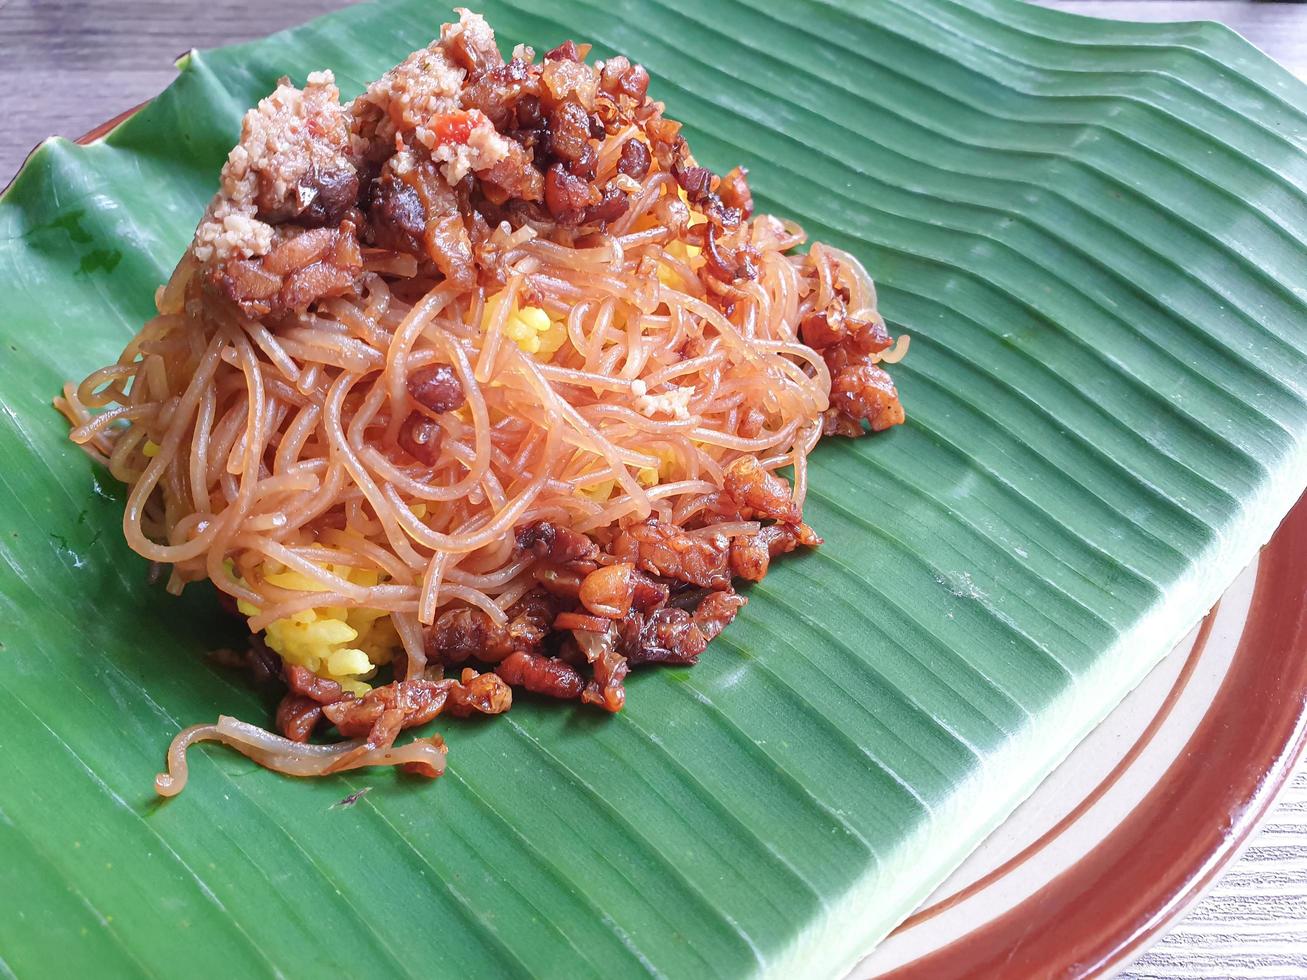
(1125, 891)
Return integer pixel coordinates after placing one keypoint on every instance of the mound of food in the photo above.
(478, 382)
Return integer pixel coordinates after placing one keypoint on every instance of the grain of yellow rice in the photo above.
(339, 644)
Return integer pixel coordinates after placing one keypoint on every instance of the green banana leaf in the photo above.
(1094, 233)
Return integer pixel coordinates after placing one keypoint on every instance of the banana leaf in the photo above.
(1094, 233)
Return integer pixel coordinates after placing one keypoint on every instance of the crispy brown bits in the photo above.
(610, 669)
(303, 681)
(418, 212)
(696, 182)
(567, 196)
(297, 715)
(300, 269)
(668, 636)
(716, 611)
(734, 192)
(567, 51)
(326, 196)
(620, 77)
(759, 493)
(485, 694)
(609, 591)
(751, 556)
(862, 393)
(634, 160)
(411, 703)
(549, 676)
(466, 633)
(436, 387)
(555, 543)
(669, 551)
(421, 438)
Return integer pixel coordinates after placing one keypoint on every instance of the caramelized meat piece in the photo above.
(549, 676)
(562, 582)
(674, 635)
(384, 712)
(513, 177)
(420, 437)
(292, 165)
(469, 634)
(328, 196)
(667, 550)
(610, 208)
(734, 192)
(555, 543)
(397, 216)
(634, 160)
(417, 701)
(830, 328)
(297, 715)
(609, 590)
(301, 268)
(649, 594)
(751, 556)
(303, 681)
(478, 694)
(506, 94)
(569, 133)
(696, 182)
(567, 196)
(436, 387)
(619, 77)
(416, 211)
(716, 611)
(862, 393)
(668, 636)
(470, 44)
(466, 633)
(606, 689)
(759, 493)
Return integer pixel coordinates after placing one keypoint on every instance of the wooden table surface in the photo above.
(67, 65)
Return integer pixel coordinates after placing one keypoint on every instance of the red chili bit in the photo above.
(454, 127)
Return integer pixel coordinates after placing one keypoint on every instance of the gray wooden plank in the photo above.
(68, 65)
